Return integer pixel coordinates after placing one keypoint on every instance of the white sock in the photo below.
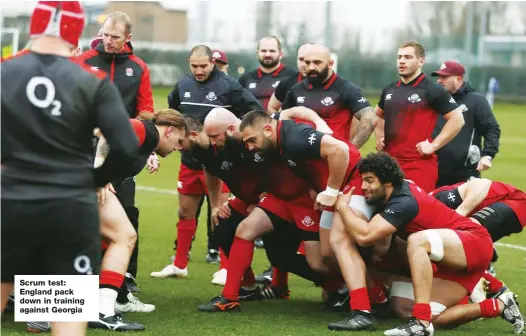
(107, 299)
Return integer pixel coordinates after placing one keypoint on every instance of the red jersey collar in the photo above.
(274, 73)
(414, 82)
(328, 83)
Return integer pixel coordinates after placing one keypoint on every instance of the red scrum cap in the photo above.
(64, 19)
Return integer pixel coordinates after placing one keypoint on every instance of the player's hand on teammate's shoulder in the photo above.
(344, 199)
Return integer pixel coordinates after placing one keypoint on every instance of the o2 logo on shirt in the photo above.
(49, 99)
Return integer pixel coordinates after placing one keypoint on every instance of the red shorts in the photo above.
(478, 248)
(424, 173)
(299, 211)
(192, 182)
(239, 206)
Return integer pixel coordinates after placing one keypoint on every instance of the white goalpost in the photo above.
(9, 41)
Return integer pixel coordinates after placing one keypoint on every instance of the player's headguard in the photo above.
(64, 19)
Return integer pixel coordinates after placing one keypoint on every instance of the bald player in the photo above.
(262, 81)
(195, 95)
(285, 85)
(334, 98)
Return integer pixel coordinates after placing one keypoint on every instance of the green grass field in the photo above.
(176, 300)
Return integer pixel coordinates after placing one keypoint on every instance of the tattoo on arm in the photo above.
(365, 127)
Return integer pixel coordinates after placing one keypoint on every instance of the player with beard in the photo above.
(285, 85)
(263, 81)
(410, 109)
(460, 247)
(284, 188)
(195, 94)
(334, 98)
(325, 162)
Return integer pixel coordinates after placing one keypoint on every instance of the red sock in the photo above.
(280, 279)
(495, 284)
(223, 259)
(376, 294)
(249, 279)
(489, 308)
(301, 249)
(110, 279)
(333, 284)
(360, 299)
(422, 311)
(185, 231)
(240, 259)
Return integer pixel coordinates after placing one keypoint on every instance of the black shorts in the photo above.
(50, 237)
(499, 219)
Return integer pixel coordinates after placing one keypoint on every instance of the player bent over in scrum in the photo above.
(162, 132)
(459, 246)
(222, 128)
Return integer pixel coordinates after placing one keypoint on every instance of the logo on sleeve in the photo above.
(300, 100)
(211, 96)
(252, 85)
(388, 96)
(389, 211)
(187, 95)
(362, 100)
(275, 85)
(414, 98)
(327, 101)
(451, 197)
(452, 100)
(312, 139)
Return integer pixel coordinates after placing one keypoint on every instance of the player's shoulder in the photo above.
(408, 193)
(225, 79)
(346, 84)
(87, 69)
(391, 85)
(288, 72)
(87, 55)
(248, 75)
(432, 87)
(136, 59)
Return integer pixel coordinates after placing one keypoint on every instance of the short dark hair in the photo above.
(201, 50)
(384, 166)
(253, 118)
(271, 37)
(193, 124)
(419, 49)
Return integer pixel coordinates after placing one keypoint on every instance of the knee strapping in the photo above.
(437, 245)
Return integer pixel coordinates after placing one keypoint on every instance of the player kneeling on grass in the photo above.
(162, 132)
(460, 247)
